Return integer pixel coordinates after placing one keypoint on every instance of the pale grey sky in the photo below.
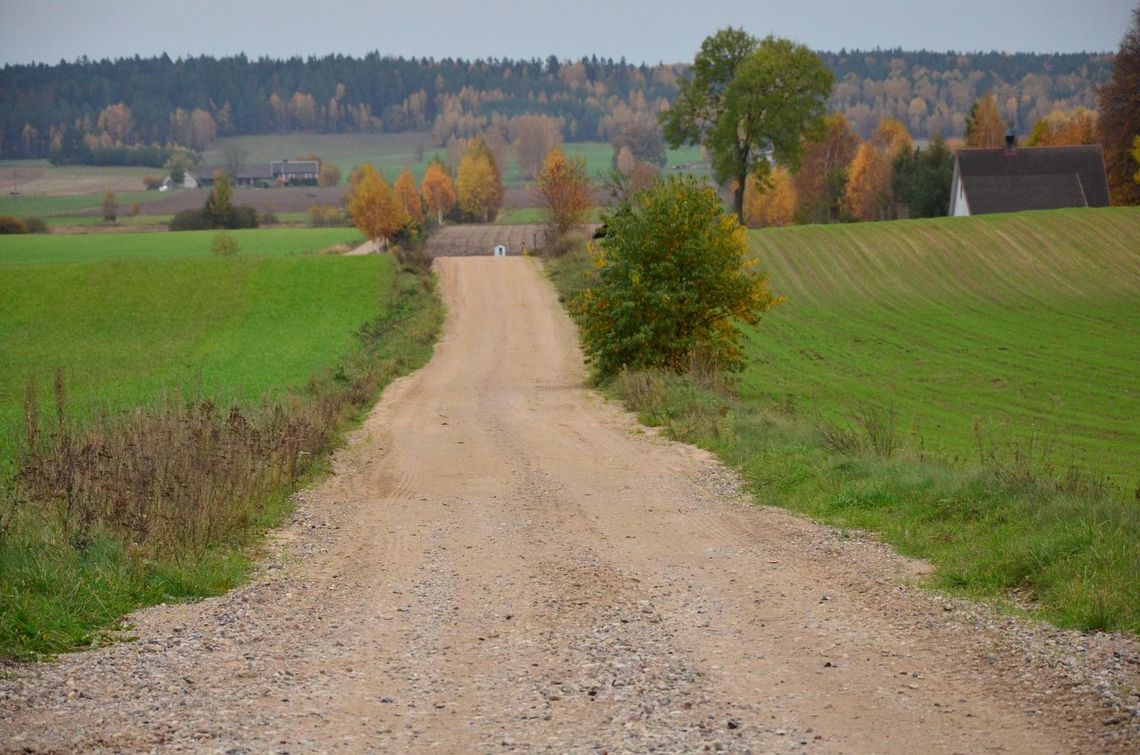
(47, 31)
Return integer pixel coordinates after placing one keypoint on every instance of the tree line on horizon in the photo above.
(134, 110)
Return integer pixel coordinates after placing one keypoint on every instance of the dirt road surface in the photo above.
(503, 561)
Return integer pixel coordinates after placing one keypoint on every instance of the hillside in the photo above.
(1010, 334)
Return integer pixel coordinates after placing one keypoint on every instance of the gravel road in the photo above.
(503, 561)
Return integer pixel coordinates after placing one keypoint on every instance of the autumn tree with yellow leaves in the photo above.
(117, 121)
(478, 183)
(772, 202)
(409, 196)
(375, 211)
(563, 187)
(984, 124)
(438, 191)
(868, 193)
(1064, 127)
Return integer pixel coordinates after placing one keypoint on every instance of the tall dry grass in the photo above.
(189, 472)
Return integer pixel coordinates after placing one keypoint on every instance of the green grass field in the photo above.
(598, 156)
(28, 205)
(104, 247)
(128, 316)
(1025, 328)
(140, 325)
(965, 389)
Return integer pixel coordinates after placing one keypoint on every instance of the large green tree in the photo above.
(1119, 121)
(675, 280)
(745, 99)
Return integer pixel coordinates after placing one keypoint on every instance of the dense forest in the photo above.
(114, 110)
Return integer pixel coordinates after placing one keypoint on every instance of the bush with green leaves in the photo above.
(224, 244)
(674, 279)
(191, 220)
(36, 224)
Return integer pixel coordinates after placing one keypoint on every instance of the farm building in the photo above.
(278, 171)
(1027, 178)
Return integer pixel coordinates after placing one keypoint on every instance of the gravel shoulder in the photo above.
(504, 561)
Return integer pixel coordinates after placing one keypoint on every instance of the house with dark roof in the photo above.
(278, 171)
(295, 170)
(1027, 178)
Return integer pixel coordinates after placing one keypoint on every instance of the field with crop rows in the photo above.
(1011, 334)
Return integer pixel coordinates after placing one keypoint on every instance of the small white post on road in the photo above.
(500, 251)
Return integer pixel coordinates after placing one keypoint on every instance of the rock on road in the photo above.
(504, 561)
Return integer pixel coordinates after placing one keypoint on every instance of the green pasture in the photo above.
(965, 389)
(146, 321)
(28, 205)
(126, 318)
(151, 221)
(598, 157)
(1007, 333)
(102, 247)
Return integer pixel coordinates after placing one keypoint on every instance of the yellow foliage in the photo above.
(985, 127)
(117, 121)
(438, 191)
(478, 184)
(564, 190)
(408, 196)
(891, 137)
(375, 211)
(771, 205)
(868, 193)
(1061, 127)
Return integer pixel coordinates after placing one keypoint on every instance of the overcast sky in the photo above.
(667, 30)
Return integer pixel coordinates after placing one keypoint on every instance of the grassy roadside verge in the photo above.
(168, 503)
(1064, 548)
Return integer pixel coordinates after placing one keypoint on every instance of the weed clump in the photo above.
(224, 245)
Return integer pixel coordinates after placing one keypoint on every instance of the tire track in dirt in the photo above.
(504, 561)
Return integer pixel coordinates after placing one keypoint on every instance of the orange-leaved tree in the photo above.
(772, 204)
(408, 196)
(868, 193)
(1119, 123)
(117, 121)
(563, 187)
(823, 173)
(438, 191)
(1063, 127)
(375, 211)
